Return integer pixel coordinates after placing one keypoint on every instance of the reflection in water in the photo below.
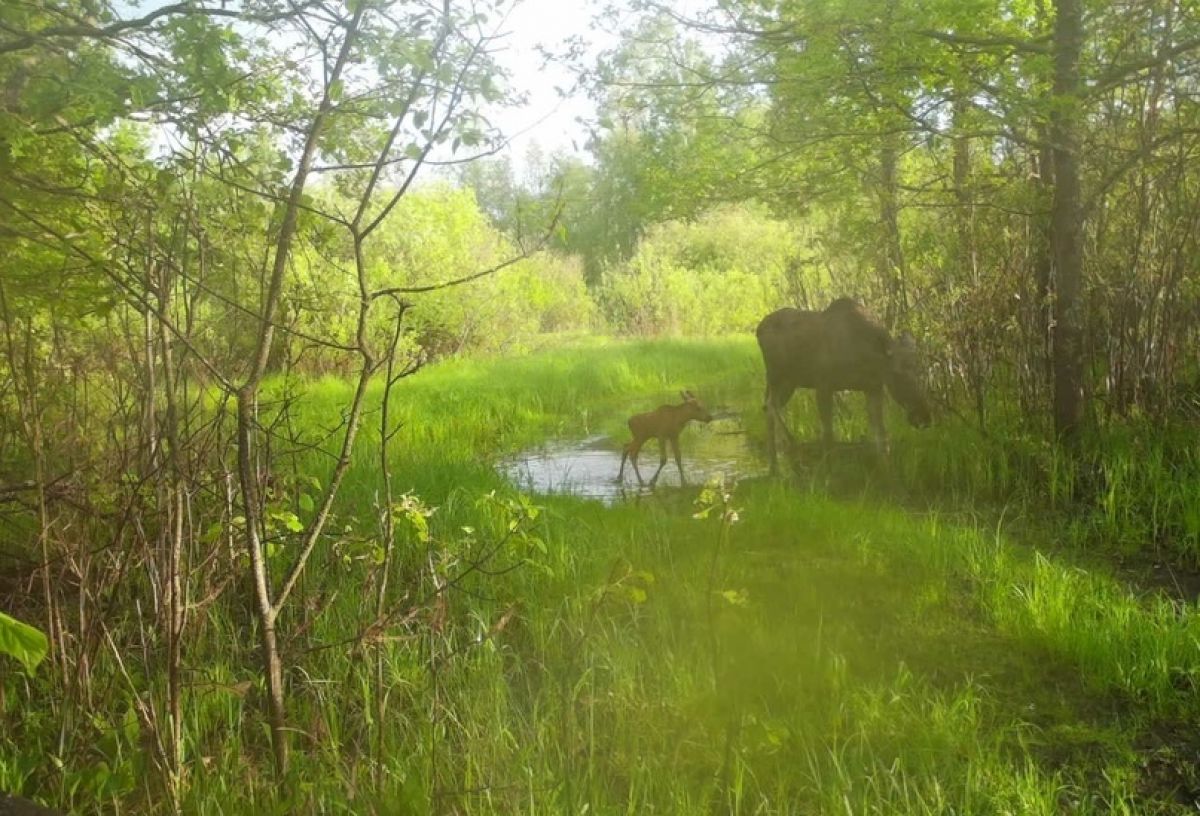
(589, 467)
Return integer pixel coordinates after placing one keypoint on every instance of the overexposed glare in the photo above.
(546, 119)
(556, 109)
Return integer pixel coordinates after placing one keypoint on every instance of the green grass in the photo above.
(845, 655)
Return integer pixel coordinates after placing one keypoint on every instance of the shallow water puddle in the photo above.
(589, 467)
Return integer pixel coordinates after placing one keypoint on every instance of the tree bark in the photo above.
(247, 401)
(890, 259)
(172, 540)
(1066, 221)
(968, 268)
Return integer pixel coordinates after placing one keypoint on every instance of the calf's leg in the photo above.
(678, 460)
(634, 448)
(662, 459)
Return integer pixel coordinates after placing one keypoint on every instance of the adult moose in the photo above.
(840, 349)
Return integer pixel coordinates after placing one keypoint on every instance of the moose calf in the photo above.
(664, 423)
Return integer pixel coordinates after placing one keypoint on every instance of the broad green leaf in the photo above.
(23, 642)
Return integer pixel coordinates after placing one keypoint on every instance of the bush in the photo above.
(718, 274)
(435, 235)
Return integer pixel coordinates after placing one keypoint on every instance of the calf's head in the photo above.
(695, 410)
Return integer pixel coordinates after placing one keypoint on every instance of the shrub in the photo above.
(720, 273)
(436, 235)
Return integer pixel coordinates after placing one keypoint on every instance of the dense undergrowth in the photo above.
(919, 640)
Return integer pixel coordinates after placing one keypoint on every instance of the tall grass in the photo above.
(596, 709)
(457, 418)
(867, 659)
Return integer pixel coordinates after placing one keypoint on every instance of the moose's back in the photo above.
(841, 348)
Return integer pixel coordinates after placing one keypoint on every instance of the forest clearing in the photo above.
(849, 644)
(599, 406)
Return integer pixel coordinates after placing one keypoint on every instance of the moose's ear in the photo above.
(688, 396)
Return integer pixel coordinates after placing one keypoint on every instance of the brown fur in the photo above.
(664, 423)
(842, 348)
(16, 806)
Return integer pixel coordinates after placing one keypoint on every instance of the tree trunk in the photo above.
(890, 259)
(968, 268)
(1066, 221)
(175, 502)
(247, 406)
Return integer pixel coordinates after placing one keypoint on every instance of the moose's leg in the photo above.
(825, 409)
(662, 459)
(624, 456)
(635, 447)
(769, 416)
(875, 417)
(776, 401)
(678, 460)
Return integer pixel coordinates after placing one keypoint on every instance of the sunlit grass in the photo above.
(616, 696)
(862, 657)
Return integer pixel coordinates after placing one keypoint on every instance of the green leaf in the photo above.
(213, 533)
(423, 61)
(306, 503)
(129, 726)
(288, 519)
(735, 597)
(23, 642)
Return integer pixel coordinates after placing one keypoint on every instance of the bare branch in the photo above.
(1034, 45)
(86, 30)
(1119, 74)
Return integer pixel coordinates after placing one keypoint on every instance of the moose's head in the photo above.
(695, 410)
(905, 379)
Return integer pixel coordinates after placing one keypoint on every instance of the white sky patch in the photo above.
(547, 119)
(557, 110)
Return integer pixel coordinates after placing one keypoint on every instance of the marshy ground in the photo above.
(855, 642)
(589, 467)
